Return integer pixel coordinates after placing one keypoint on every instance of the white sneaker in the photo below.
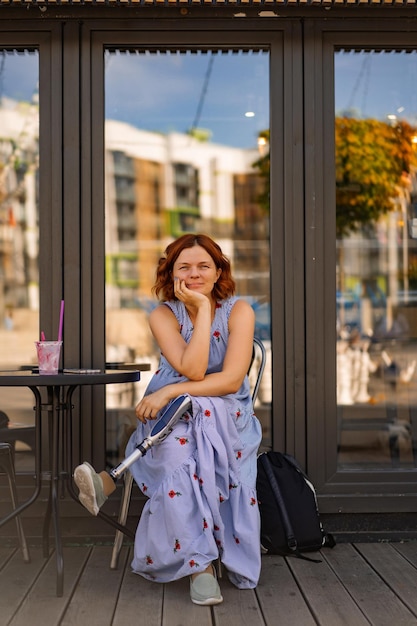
(91, 488)
(205, 590)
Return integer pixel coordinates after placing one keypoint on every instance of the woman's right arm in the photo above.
(188, 359)
(229, 380)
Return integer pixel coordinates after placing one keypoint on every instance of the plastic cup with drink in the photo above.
(49, 352)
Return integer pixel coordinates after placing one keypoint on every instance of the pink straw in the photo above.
(42, 336)
(61, 321)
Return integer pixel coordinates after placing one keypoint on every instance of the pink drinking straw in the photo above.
(61, 321)
(42, 336)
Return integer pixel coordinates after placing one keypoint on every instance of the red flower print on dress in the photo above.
(207, 413)
(221, 498)
(205, 525)
(173, 493)
(144, 488)
(232, 486)
(177, 546)
(200, 480)
(239, 454)
(182, 440)
(193, 563)
(149, 560)
(238, 414)
(218, 305)
(157, 372)
(237, 540)
(252, 501)
(216, 527)
(217, 335)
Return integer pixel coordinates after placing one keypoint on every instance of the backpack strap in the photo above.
(286, 522)
(329, 540)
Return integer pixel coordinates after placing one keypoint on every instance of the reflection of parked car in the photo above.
(262, 317)
(348, 308)
(365, 304)
(262, 320)
(407, 298)
(146, 304)
(374, 293)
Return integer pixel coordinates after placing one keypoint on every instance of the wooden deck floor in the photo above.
(355, 584)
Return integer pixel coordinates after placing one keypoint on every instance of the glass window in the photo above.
(376, 271)
(19, 239)
(182, 137)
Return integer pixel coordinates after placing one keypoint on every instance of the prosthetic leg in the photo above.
(159, 432)
(91, 493)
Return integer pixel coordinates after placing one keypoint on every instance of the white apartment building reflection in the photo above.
(19, 163)
(157, 187)
(160, 186)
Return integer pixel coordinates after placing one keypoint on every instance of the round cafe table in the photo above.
(58, 406)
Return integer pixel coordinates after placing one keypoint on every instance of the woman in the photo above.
(201, 479)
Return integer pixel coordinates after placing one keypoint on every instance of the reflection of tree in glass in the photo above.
(374, 161)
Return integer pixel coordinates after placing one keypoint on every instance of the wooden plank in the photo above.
(376, 600)
(362, 584)
(39, 590)
(394, 569)
(327, 598)
(149, 609)
(240, 606)
(279, 595)
(408, 550)
(16, 577)
(179, 610)
(6, 554)
(97, 591)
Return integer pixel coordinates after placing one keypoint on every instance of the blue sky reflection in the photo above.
(163, 93)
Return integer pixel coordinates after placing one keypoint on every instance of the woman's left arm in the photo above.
(235, 367)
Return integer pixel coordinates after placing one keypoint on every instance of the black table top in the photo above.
(25, 378)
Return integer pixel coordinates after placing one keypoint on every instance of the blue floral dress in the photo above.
(201, 480)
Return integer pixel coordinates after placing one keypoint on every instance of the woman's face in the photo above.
(196, 267)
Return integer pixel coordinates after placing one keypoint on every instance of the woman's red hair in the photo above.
(164, 284)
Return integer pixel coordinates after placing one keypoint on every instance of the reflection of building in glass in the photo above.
(160, 186)
(251, 255)
(371, 285)
(376, 280)
(19, 163)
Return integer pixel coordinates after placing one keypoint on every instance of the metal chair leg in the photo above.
(124, 509)
(7, 463)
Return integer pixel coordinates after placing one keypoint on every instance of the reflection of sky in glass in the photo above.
(164, 92)
(377, 84)
(18, 75)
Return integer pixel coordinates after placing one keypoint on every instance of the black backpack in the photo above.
(290, 521)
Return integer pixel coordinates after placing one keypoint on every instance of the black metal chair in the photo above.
(7, 465)
(11, 432)
(257, 366)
